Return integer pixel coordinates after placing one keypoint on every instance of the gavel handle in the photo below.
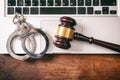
(80, 37)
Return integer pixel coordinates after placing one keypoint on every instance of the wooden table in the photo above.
(61, 67)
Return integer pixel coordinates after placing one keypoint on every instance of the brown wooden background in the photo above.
(61, 67)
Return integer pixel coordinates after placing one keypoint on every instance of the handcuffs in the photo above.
(25, 31)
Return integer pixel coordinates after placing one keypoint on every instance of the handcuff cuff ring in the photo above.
(42, 53)
(10, 48)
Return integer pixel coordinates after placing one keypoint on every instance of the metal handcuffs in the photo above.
(25, 30)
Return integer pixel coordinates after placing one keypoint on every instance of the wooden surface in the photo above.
(61, 67)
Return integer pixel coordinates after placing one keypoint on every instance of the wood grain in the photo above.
(61, 67)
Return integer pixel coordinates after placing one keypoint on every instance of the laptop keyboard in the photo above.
(61, 7)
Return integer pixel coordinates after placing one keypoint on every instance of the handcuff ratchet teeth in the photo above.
(25, 30)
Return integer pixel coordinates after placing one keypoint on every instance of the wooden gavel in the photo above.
(66, 33)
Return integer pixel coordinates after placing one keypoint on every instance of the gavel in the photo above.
(66, 33)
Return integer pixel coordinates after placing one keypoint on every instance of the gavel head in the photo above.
(65, 32)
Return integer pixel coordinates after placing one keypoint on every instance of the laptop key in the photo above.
(34, 10)
(50, 3)
(72, 2)
(27, 2)
(58, 10)
(113, 12)
(88, 2)
(35, 2)
(57, 2)
(105, 10)
(42, 2)
(25, 10)
(65, 3)
(97, 12)
(11, 2)
(89, 10)
(81, 10)
(18, 10)
(108, 2)
(20, 3)
(10, 10)
(80, 2)
(95, 2)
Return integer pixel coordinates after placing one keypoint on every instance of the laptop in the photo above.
(95, 18)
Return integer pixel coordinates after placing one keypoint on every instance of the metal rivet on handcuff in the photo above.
(25, 30)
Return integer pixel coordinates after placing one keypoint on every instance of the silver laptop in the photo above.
(95, 18)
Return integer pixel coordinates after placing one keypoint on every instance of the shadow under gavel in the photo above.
(66, 33)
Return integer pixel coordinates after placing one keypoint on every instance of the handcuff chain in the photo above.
(23, 27)
(18, 18)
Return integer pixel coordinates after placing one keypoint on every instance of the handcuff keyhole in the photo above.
(25, 27)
